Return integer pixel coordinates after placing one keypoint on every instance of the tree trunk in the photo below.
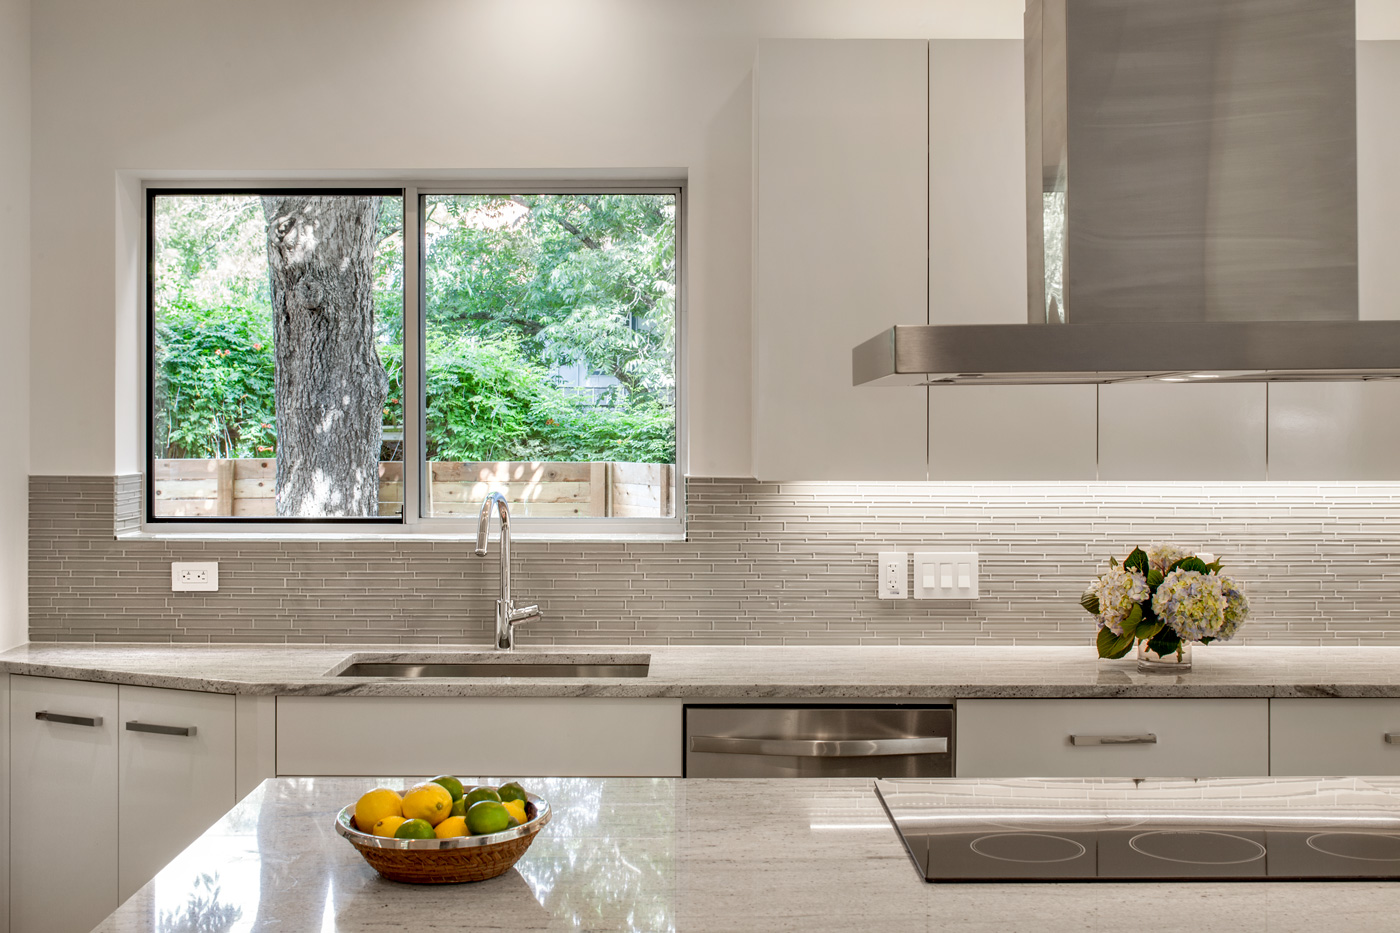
(330, 384)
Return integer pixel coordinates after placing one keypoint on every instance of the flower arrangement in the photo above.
(1164, 596)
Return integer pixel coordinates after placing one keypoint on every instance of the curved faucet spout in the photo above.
(507, 616)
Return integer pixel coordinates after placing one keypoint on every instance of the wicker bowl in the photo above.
(446, 861)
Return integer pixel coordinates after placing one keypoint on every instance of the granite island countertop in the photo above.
(738, 672)
(668, 855)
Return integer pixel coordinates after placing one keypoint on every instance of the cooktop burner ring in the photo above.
(1133, 844)
(1081, 851)
(1395, 840)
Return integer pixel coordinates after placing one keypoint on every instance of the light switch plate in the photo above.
(893, 572)
(194, 576)
(945, 574)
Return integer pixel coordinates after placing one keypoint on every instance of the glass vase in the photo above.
(1177, 662)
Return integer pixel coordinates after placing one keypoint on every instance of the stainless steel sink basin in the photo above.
(405, 666)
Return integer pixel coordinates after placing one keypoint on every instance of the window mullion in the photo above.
(414, 461)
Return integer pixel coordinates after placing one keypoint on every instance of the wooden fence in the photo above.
(210, 488)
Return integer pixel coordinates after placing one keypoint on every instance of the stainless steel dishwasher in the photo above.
(818, 741)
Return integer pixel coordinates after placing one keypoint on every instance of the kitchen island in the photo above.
(695, 855)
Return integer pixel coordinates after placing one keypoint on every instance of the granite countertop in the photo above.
(796, 672)
(695, 855)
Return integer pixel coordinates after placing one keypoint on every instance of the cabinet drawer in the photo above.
(62, 882)
(173, 786)
(1112, 738)
(479, 736)
(1326, 737)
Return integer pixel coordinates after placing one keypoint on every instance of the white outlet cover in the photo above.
(194, 576)
(892, 580)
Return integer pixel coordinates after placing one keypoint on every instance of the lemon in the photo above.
(427, 801)
(452, 826)
(454, 786)
(388, 826)
(414, 829)
(487, 816)
(511, 791)
(516, 808)
(478, 794)
(375, 805)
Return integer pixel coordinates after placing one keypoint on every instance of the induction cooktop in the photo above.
(1238, 829)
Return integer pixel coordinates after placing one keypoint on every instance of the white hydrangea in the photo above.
(1236, 608)
(1118, 591)
(1162, 556)
(1192, 604)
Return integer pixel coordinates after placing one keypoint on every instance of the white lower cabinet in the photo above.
(479, 736)
(151, 770)
(1334, 737)
(175, 776)
(1113, 738)
(63, 804)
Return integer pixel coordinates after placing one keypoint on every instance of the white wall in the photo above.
(14, 320)
(155, 88)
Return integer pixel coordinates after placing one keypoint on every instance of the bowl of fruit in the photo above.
(442, 832)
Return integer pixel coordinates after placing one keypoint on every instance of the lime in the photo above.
(415, 829)
(487, 816)
(454, 786)
(478, 794)
(459, 807)
(512, 791)
(427, 801)
(374, 806)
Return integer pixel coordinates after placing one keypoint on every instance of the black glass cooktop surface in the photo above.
(1294, 829)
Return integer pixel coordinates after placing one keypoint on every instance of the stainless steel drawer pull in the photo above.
(819, 748)
(69, 720)
(134, 726)
(1145, 739)
(1392, 738)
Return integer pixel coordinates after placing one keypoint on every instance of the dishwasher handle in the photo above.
(819, 748)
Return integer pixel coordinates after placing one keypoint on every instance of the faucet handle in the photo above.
(523, 614)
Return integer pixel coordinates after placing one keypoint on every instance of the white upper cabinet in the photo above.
(977, 272)
(1334, 430)
(1179, 431)
(841, 241)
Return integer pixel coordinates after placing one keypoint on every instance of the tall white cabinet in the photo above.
(108, 784)
(841, 242)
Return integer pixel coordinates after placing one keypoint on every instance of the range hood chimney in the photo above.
(1191, 204)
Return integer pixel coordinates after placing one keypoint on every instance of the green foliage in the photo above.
(1090, 602)
(214, 371)
(1113, 646)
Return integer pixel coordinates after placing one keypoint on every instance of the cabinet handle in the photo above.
(1146, 739)
(819, 748)
(1392, 738)
(69, 720)
(135, 726)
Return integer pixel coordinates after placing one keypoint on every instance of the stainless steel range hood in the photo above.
(1191, 205)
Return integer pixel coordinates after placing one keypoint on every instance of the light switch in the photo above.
(894, 575)
(945, 574)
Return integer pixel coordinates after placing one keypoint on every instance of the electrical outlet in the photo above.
(893, 571)
(945, 574)
(199, 576)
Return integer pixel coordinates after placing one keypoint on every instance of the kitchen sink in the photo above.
(408, 667)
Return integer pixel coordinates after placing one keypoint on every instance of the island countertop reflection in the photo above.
(687, 855)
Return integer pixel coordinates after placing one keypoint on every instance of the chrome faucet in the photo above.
(507, 616)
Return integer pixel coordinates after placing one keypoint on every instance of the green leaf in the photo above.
(1207, 639)
(1137, 561)
(1154, 579)
(1165, 642)
(1130, 624)
(1090, 602)
(1214, 566)
(1149, 629)
(1113, 646)
(1113, 562)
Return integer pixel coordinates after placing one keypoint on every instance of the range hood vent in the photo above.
(1191, 205)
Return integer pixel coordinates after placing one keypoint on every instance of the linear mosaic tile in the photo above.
(764, 563)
